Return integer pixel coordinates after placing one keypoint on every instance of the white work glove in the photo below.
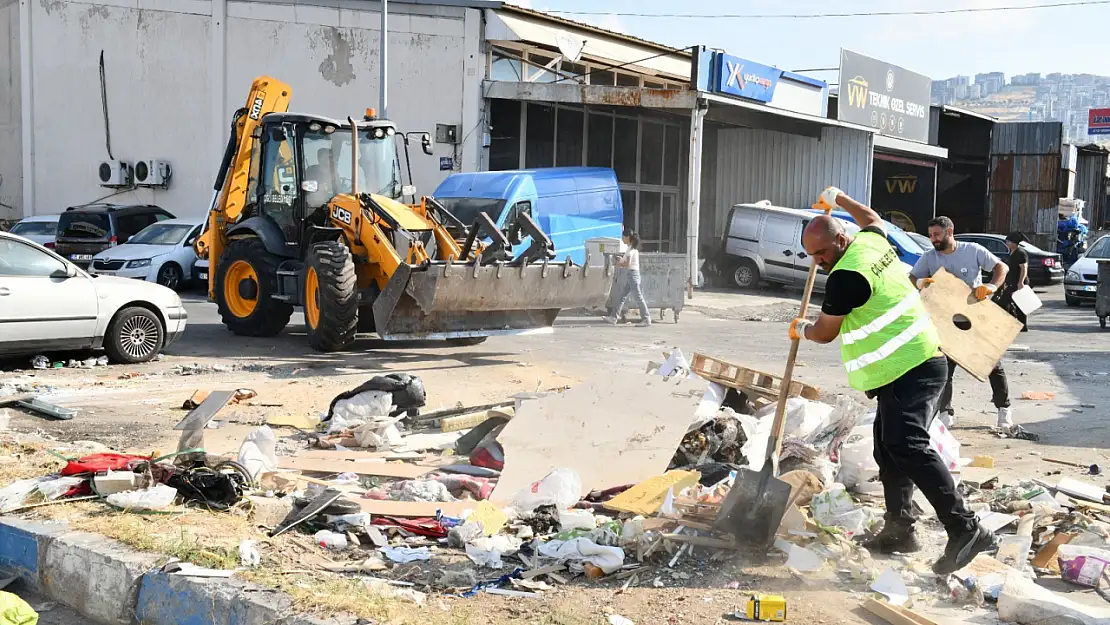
(827, 199)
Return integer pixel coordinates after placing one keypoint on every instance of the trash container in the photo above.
(663, 280)
(1102, 296)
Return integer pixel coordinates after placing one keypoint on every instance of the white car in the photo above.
(41, 229)
(1081, 279)
(49, 304)
(162, 252)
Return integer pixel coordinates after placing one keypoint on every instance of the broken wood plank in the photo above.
(701, 541)
(987, 329)
(543, 570)
(1047, 555)
(383, 469)
(896, 615)
(752, 381)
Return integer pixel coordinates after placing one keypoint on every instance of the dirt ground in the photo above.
(135, 408)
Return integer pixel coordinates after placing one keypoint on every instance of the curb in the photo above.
(112, 584)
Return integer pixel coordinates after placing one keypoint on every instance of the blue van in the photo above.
(570, 204)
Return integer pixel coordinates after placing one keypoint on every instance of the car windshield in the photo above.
(327, 160)
(84, 225)
(161, 234)
(467, 208)
(37, 228)
(901, 238)
(921, 240)
(1100, 249)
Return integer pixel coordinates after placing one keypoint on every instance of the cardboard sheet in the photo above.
(622, 429)
(383, 469)
(978, 348)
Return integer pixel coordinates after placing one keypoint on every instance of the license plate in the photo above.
(80, 256)
(1090, 289)
(203, 276)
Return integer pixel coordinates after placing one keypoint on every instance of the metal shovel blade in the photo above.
(754, 508)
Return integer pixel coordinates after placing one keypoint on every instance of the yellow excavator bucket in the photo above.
(446, 301)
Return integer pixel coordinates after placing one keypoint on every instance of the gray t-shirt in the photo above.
(967, 262)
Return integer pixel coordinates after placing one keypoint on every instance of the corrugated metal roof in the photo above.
(1027, 138)
(789, 170)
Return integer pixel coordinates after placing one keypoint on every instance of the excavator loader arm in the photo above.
(267, 95)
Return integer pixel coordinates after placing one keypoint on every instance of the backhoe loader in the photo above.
(287, 228)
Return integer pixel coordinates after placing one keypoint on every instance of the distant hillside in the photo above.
(1019, 103)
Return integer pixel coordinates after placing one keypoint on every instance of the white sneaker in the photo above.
(1005, 418)
(610, 320)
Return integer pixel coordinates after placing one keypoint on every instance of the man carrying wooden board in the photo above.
(967, 261)
(891, 351)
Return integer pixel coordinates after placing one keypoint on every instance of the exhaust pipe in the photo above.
(354, 156)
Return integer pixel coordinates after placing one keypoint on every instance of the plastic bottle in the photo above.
(331, 540)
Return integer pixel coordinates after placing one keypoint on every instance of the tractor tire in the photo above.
(245, 284)
(330, 297)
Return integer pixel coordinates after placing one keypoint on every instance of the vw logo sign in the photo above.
(889, 79)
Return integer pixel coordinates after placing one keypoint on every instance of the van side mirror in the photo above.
(426, 143)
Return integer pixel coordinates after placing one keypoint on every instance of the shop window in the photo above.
(628, 80)
(669, 221)
(568, 143)
(599, 146)
(573, 69)
(540, 143)
(628, 203)
(672, 164)
(506, 69)
(650, 215)
(536, 72)
(602, 77)
(648, 84)
(625, 149)
(504, 145)
(651, 154)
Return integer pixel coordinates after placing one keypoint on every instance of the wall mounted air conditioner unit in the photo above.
(152, 172)
(114, 174)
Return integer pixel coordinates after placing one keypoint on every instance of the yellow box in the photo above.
(763, 607)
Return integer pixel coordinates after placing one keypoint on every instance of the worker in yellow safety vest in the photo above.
(891, 352)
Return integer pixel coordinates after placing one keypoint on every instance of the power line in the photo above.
(803, 16)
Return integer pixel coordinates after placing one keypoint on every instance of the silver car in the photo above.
(39, 228)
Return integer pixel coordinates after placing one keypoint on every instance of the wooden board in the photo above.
(979, 348)
(358, 454)
(758, 383)
(383, 469)
(414, 508)
(896, 615)
(620, 429)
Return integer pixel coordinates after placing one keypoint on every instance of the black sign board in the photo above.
(884, 96)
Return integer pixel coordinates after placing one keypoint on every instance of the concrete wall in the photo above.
(175, 73)
(789, 170)
(11, 112)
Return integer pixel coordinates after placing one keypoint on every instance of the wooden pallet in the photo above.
(755, 383)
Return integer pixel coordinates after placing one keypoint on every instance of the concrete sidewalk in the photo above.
(768, 304)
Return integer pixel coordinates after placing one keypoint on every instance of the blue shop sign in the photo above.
(747, 79)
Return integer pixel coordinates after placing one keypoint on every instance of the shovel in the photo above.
(754, 508)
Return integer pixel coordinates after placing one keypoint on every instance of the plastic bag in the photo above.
(561, 487)
(15, 494)
(378, 433)
(1083, 565)
(946, 445)
(156, 497)
(330, 540)
(53, 489)
(256, 454)
(16, 611)
(857, 462)
(579, 550)
(364, 406)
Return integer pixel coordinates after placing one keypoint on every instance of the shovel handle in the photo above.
(774, 444)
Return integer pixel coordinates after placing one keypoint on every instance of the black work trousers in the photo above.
(1000, 388)
(906, 406)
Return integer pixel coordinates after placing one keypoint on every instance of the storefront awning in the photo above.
(596, 95)
(738, 112)
(912, 148)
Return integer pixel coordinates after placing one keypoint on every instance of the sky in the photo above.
(940, 46)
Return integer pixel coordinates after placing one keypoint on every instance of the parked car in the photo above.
(41, 229)
(922, 241)
(908, 249)
(764, 242)
(1045, 268)
(200, 271)
(85, 231)
(1081, 279)
(162, 252)
(48, 303)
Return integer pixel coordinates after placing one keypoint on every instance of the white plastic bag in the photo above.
(946, 445)
(561, 487)
(364, 406)
(857, 461)
(53, 489)
(15, 494)
(579, 550)
(256, 454)
(156, 497)
(379, 433)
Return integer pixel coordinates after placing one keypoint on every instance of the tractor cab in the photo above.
(300, 162)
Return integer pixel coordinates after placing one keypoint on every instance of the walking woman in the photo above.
(1016, 278)
(631, 284)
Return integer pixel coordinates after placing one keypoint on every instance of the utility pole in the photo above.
(383, 60)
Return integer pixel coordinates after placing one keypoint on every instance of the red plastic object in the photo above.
(100, 463)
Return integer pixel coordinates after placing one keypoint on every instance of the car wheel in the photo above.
(746, 274)
(171, 276)
(134, 335)
(1071, 301)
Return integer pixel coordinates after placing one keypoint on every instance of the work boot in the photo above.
(1005, 419)
(893, 539)
(962, 549)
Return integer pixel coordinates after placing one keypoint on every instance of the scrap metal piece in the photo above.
(200, 416)
(47, 409)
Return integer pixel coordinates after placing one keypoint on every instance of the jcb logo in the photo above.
(341, 214)
(902, 183)
(256, 106)
(857, 92)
